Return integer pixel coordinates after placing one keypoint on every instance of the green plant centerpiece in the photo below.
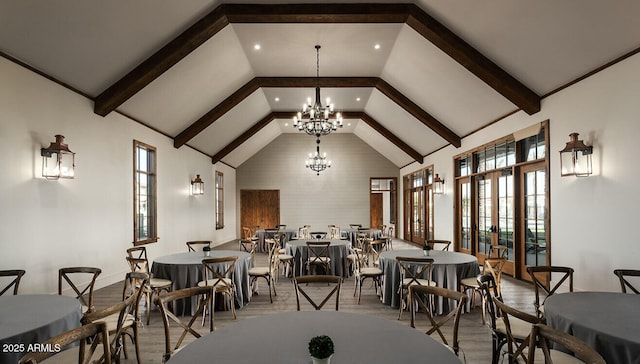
(321, 347)
(426, 249)
(207, 251)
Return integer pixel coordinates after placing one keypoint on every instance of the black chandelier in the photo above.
(317, 162)
(318, 122)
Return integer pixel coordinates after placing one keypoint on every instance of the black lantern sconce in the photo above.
(197, 186)
(57, 160)
(575, 158)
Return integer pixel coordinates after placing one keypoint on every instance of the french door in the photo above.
(534, 229)
(495, 215)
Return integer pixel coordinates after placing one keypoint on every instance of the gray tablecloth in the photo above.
(338, 251)
(264, 234)
(283, 338)
(608, 322)
(32, 319)
(352, 234)
(185, 270)
(448, 269)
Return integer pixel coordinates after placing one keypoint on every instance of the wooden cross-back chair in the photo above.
(206, 300)
(361, 273)
(518, 342)
(76, 278)
(333, 286)
(123, 318)
(191, 245)
(488, 291)
(220, 273)
(355, 226)
(541, 276)
(91, 339)
(248, 242)
(418, 292)
(543, 335)
(268, 273)
(373, 249)
(439, 244)
(15, 283)
(623, 275)
(413, 271)
(153, 286)
(318, 256)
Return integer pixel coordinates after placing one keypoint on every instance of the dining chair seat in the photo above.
(159, 282)
(221, 283)
(423, 282)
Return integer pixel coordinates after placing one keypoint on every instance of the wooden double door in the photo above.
(260, 208)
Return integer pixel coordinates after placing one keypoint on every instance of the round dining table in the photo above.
(448, 269)
(338, 251)
(263, 234)
(357, 338)
(609, 322)
(32, 319)
(352, 234)
(185, 270)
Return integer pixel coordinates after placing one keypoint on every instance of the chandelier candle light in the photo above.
(317, 162)
(318, 122)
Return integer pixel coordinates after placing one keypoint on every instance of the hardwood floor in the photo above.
(475, 338)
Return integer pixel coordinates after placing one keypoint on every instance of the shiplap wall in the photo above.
(339, 195)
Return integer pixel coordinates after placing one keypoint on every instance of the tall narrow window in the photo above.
(144, 194)
(219, 200)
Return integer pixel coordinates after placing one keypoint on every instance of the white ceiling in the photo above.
(91, 44)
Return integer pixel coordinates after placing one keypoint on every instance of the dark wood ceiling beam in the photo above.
(244, 137)
(417, 112)
(161, 61)
(251, 86)
(224, 14)
(289, 114)
(375, 125)
(216, 113)
(317, 13)
(474, 61)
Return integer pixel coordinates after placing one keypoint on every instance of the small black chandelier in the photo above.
(317, 162)
(318, 122)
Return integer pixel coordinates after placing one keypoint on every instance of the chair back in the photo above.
(623, 276)
(16, 274)
(206, 299)
(374, 248)
(334, 232)
(138, 264)
(333, 284)
(489, 291)
(191, 245)
(137, 252)
(439, 244)
(423, 296)
(541, 277)
(516, 346)
(498, 251)
(494, 267)
(76, 278)
(246, 233)
(88, 337)
(544, 335)
(318, 252)
(220, 272)
(355, 226)
(414, 269)
(280, 227)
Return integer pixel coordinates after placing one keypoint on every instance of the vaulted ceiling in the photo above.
(410, 78)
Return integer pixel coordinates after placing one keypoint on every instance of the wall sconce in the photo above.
(57, 160)
(438, 185)
(575, 158)
(197, 186)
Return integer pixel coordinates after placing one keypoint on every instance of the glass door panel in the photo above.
(485, 216)
(535, 241)
(464, 208)
(417, 217)
(505, 218)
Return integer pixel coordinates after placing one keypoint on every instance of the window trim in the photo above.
(154, 193)
(219, 197)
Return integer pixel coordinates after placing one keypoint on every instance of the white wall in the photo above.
(339, 195)
(88, 221)
(593, 219)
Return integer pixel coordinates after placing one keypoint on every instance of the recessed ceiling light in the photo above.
(348, 124)
(377, 46)
(357, 99)
(257, 47)
(286, 124)
(277, 99)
